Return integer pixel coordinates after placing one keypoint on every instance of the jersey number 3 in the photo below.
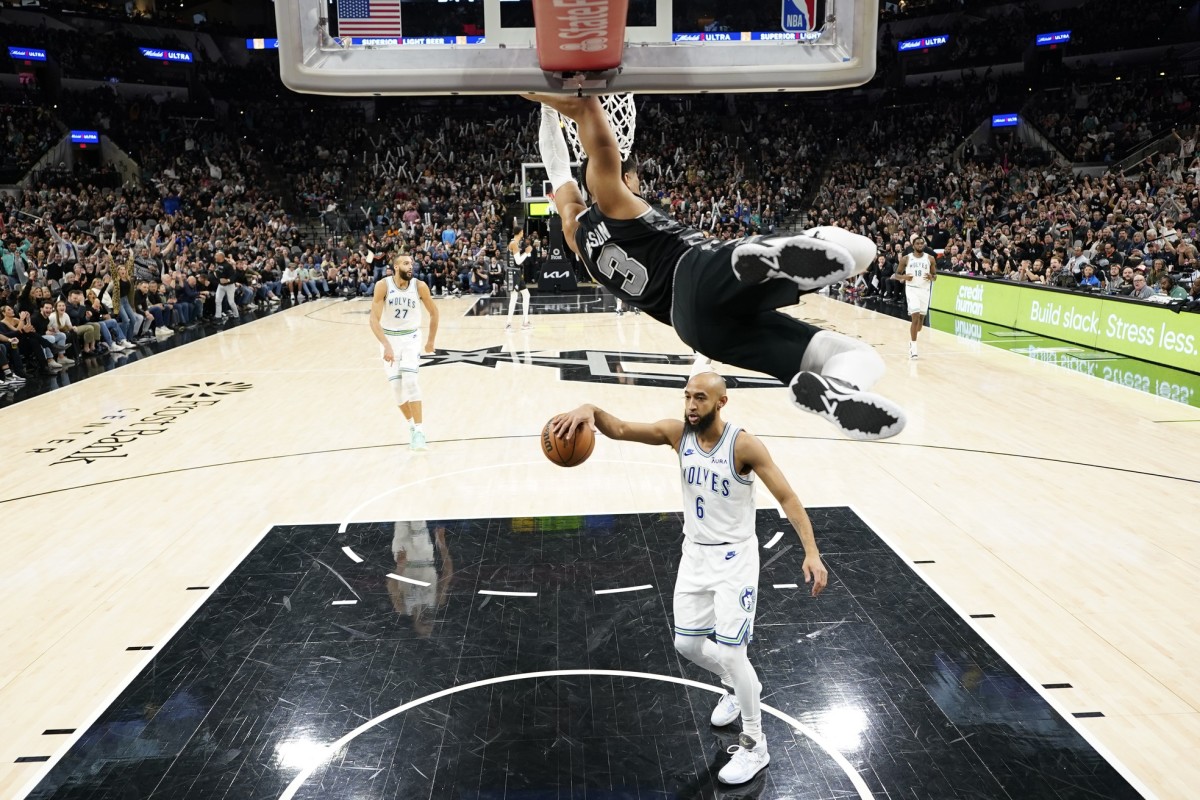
(615, 261)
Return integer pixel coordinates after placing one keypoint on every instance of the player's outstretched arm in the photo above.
(753, 453)
(568, 200)
(665, 431)
(604, 179)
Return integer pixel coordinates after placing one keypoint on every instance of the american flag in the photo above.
(368, 17)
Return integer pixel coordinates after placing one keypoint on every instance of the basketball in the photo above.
(568, 452)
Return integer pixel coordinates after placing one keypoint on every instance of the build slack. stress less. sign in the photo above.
(1147, 331)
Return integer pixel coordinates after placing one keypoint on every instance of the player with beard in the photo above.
(396, 323)
(716, 590)
(721, 297)
(919, 270)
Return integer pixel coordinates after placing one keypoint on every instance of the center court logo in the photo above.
(596, 366)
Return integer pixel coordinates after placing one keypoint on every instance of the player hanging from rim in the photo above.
(716, 589)
(396, 323)
(918, 270)
(518, 255)
(722, 297)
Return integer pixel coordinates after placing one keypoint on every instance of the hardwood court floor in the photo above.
(1055, 502)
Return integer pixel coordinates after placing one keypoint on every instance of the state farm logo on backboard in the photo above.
(585, 20)
(595, 27)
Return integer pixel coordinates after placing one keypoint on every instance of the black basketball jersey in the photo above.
(635, 258)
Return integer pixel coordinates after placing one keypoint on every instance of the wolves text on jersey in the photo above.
(707, 478)
(402, 304)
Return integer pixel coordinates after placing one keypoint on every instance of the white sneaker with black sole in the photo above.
(807, 261)
(726, 711)
(749, 759)
(859, 415)
(728, 708)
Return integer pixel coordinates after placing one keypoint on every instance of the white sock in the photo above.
(746, 687)
(835, 355)
(701, 363)
(418, 427)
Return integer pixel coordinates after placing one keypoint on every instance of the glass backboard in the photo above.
(412, 47)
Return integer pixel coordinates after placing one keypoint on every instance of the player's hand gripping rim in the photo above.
(565, 425)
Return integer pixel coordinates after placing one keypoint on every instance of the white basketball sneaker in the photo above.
(418, 441)
(749, 759)
(859, 415)
(726, 711)
(808, 261)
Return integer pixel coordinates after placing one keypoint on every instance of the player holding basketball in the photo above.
(396, 323)
(716, 590)
(720, 296)
(918, 270)
(518, 254)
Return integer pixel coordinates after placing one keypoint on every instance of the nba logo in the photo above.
(799, 15)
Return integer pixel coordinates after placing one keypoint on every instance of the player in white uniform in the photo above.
(396, 323)
(919, 270)
(424, 592)
(716, 590)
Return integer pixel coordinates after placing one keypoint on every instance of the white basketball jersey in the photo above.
(402, 310)
(918, 266)
(415, 541)
(718, 504)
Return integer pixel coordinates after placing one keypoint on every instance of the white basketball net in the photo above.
(622, 118)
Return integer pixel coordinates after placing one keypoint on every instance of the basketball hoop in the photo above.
(622, 118)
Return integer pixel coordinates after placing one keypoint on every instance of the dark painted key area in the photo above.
(271, 671)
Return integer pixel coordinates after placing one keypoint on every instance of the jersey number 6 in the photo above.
(615, 261)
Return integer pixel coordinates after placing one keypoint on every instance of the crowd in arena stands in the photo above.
(27, 132)
(1132, 234)
(112, 54)
(1105, 122)
(1006, 34)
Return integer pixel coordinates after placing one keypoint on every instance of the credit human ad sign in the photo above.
(1140, 330)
